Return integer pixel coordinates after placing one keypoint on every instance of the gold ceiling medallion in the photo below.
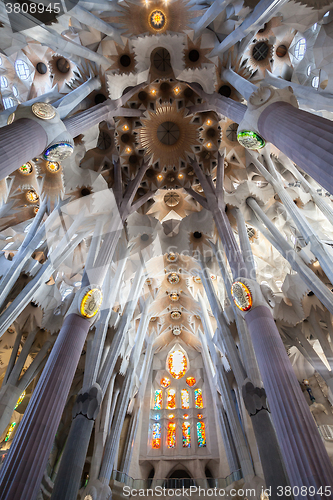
(43, 110)
(26, 169)
(91, 303)
(176, 330)
(173, 278)
(53, 166)
(32, 196)
(176, 314)
(174, 296)
(157, 20)
(172, 257)
(172, 199)
(242, 296)
(168, 135)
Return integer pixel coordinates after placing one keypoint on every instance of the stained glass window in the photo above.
(20, 399)
(177, 364)
(158, 400)
(171, 438)
(171, 416)
(156, 436)
(186, 428)
(185, 399)
(200, 416)
(198, 398)
(201, 433)
(10, 430)
(191, 381)
(186, 415)
(157, 416)
(165, 382)
(171, 401)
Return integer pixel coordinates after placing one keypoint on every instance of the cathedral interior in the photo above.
(166, 249)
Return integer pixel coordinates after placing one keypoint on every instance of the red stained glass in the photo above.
(165, 382)
(171, 437)
(191, 381)
(198, 398)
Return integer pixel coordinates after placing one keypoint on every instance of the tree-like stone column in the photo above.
(24, 466)
(302, 448)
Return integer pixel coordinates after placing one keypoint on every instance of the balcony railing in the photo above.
(172, 483)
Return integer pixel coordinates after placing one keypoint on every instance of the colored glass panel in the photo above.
(201, 433)
(186, 428)
(156, 436)
(198, 398)
(200, 416)
(20, 399)
(157, 416)
(10, 430)
(165, 382)
(171, 437)
(185, 399)
(171, 416)
(191, 381)
(185, 416)
(177, 364)
(158, 400)
(171, 401)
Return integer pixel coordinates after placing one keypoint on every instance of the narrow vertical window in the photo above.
(201, 434)
(171, 401)
(156, 435)
(198, 398)
(186, 428)
(185, 399)
(158, 400)
(171, 437)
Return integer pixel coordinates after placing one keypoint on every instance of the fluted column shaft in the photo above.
(306, 138)
(20, 142)
(301, 445)
(24, 466)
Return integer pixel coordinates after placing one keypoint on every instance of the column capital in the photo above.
(248, 295)
(248, 130)
(60, 143)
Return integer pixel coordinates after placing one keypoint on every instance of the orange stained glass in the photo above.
(191, 381)
(171, 400)
(171, 416)
(165, 382)
(186, 434)
(156, 436)
(177, 364)
(185, 416)
(200, 416)
(185, 399)
(198, 398)
(158, 400)
(171, 437)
